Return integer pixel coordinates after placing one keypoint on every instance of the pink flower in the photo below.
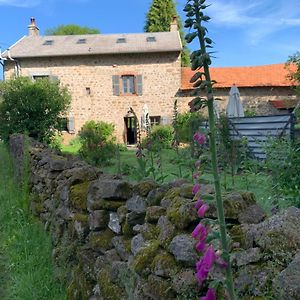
(199, 203)
(196, 188)
(199, 232)
(210, 295)
(205, 264)
(199, 138)
(202, 210)
(201, 245)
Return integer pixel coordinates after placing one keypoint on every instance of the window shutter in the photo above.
(71, 125)
(116, 85)
(139, 85)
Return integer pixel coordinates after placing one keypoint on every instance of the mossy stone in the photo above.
(150, 231)
(238, 236)
(159, 288)
(182, 212)
(172, 193)
(78, 195)
(101, 240)
(109, 290)
(164, 265)
(127, 229)
(107, 204)
(144, 259)
(144, 187)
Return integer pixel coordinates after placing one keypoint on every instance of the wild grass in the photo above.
(26, 271)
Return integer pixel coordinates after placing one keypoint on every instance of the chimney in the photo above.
(32, 28)
(174, 25)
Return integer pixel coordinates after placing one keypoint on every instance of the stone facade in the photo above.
(89, 80)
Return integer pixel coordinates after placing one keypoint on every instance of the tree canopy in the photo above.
(159, 18)
(71, 29)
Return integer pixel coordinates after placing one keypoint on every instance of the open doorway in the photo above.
(130, 125)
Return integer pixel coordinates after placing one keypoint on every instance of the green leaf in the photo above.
(190, 37)
(188, 8)
(205, 18)
(208, 40)
(188, 23)
(196, 76)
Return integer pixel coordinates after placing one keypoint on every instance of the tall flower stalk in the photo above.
(201, 59)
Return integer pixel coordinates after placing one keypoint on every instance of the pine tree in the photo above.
(159, 18)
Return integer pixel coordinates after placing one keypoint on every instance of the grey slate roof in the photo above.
(33, 46)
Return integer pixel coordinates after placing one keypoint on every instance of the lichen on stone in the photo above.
(144, 258)
(78, 195)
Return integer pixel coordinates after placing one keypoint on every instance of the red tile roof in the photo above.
(268, 75)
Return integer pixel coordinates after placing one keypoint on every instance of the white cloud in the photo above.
(258, 19)
(19, 3)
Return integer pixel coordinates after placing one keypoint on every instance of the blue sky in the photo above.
(245, 32)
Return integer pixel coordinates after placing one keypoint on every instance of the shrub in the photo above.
(187, 124)
(160, 137)
(35, 108)
(97, 142)
(283, 162)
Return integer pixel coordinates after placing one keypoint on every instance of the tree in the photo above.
(34, 108)
(295, 60)
(71, 29)
(159, 18)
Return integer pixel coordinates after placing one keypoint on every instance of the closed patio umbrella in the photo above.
(145, 117)
(234, 107)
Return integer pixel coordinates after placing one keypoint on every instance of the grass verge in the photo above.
(26, 271)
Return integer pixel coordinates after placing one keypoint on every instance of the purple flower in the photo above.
(201, 245)
(199, 138)
(205, 264)
(196, 188)
(210, 295)
(199, 232)
(202, 210)
(199, 203)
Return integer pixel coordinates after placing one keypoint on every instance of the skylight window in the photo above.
(81, 41)
(121, 40)
(48, 42)
(151, 39)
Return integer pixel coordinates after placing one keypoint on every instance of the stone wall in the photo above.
(117, 240)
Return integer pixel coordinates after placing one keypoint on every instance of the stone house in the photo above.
(109, 74)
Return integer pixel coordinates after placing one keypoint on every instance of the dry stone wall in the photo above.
(117, 240)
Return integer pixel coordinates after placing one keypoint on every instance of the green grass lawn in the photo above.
(26, 271)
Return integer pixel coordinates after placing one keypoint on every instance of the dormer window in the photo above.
(151, 39)
(81, 41)
(121, 40)
(48, 43)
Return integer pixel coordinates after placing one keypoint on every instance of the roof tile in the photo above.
(268, 75)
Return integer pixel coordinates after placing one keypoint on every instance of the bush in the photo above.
(33, 108)
(160, 137)
(283, 162)
(187, 124)
(97, 142)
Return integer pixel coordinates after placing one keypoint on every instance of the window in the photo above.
(121, 40)
(87, 91)
(154, 120)
(81, 41)
(127, 84)
(48, 43)
(151, 39)
(40, 77)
